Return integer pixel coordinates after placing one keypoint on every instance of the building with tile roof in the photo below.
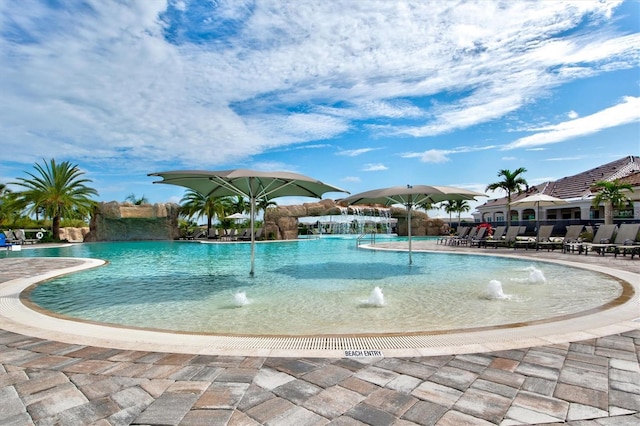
(577, 190)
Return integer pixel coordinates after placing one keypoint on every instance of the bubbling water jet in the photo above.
(536, 276)
(240, 299)
(495, 292)
(376, 298)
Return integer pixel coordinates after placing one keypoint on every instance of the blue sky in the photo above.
(359, 94)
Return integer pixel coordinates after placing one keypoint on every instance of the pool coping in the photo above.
(15, 316)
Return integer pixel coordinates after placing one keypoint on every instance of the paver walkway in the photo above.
(44, 382)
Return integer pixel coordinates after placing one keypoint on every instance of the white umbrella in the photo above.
(237, 216)
(252, 184)
(411, 195)
(537, 200)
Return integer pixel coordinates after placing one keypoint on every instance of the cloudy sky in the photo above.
(361, 94)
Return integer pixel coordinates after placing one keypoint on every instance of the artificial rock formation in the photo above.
(115, 221)
(74, 235)
(281, 223)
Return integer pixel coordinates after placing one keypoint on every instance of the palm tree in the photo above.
(198, 205)
(263, 204)
(58, 190)
(240, 204)
(135, 200)
(610, 193)
(448, 208)
(460, 206)
(5, 203)
(511, 183)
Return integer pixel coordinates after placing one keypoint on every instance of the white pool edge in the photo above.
(17, 317)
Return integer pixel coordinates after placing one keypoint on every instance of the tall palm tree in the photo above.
(511, 182)
(240, 204)
(263, 204)
(195, 204)
(57, 189)
(460, 206)
(610, 194)
(448, 208)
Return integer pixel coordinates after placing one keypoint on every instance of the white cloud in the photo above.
(573, 158)
(110, 83)
(270, 166)
(374, 167)
(573, 115)
(442, 155)
(626, 112)
(435, 156)
(355, 152)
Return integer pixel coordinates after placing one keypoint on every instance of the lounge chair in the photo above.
(245, 235)
(602, 239)
(572, 240)
(199, 234)
(11, 238)
(259, 234)
(4, 243)
(631, 247)
(509, 237)
(450, 239)
(497, 235)
(548, 242)
(543, 237)
(464, 239)
(462, 236)
(478, 239)
(625, 238)
(21, 236)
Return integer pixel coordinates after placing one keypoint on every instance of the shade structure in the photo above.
(410, 196)
(537, 200)
(237, 216)
(252, 184)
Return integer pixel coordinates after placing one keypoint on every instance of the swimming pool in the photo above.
(312, 287)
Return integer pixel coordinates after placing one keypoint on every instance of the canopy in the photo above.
(411, 195)
(537, 200)
(238, 216)
(252, 184)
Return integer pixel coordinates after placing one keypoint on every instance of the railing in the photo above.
(370, 234)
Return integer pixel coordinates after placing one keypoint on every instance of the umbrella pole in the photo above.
(409, 227)
(538, 220)
(253, 235)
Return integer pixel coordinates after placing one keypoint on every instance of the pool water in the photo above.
(311, 287)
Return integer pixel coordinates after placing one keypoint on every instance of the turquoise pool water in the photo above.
(311, 287)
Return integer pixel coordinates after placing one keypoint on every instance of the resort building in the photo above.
(577, 191)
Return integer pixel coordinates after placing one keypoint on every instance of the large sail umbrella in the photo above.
(252, 184)
(410, 196)
(537, 200)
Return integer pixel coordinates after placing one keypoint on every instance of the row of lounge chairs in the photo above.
(466, 235)
(226, 234)
(17, 237)
(625, 241)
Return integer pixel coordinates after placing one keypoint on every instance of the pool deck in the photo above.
(584, 379)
